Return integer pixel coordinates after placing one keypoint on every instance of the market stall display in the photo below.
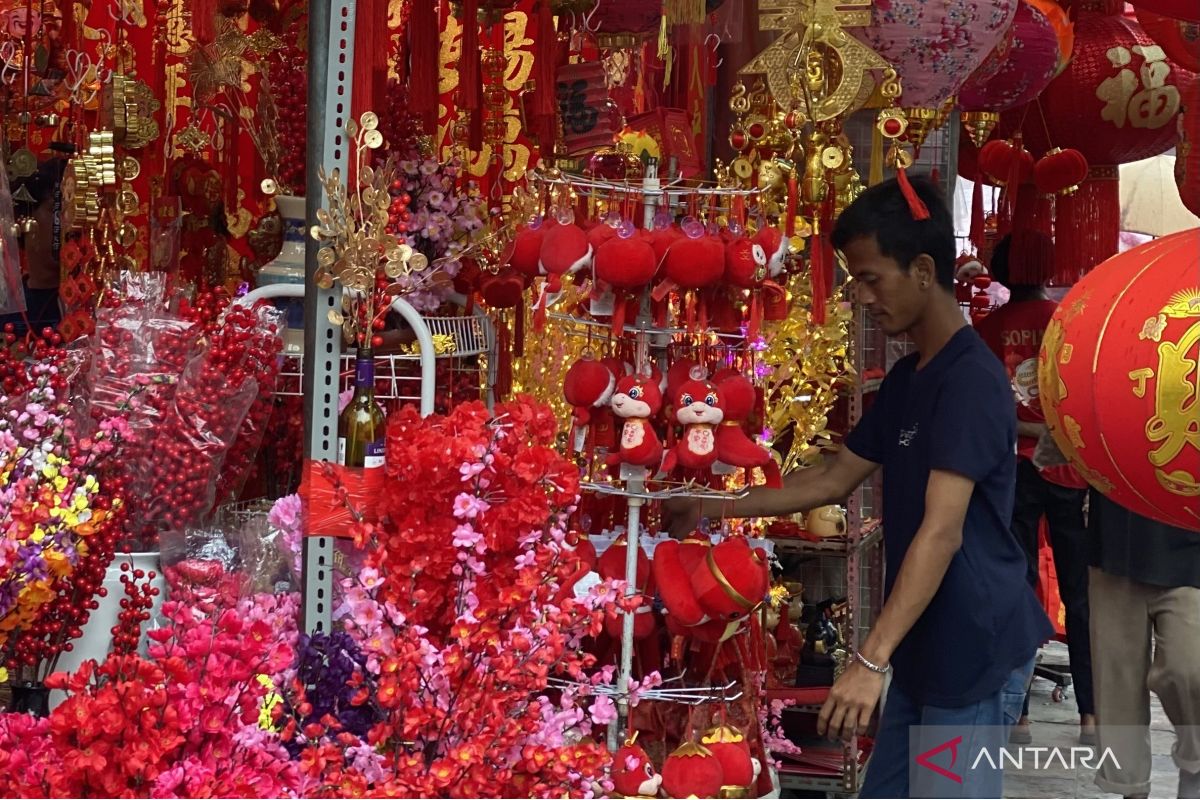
(388, 328)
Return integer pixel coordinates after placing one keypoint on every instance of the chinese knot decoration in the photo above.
(1119, 381)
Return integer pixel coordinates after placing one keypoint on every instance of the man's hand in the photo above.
(681, 515)
(852, 700)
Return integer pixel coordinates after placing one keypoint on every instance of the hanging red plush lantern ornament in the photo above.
(1119, 381)
(1179, 39)
(1060, 171)
(626, 262)
(1005, 161)
(1116, 102)
(1187, 154)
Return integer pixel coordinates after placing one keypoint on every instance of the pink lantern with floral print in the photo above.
(935, 45)
(1030, 62)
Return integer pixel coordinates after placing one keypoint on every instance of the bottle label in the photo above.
(373, 457)
(364, 374)
(341, 454)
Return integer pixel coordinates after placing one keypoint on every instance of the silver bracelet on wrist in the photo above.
(860, 658)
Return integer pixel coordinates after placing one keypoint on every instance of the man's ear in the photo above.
(924, 269)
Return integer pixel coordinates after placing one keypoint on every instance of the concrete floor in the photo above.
(1057, 724)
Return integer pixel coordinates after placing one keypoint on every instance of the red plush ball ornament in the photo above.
(565, 250)
(692, 771)
(625, 263)
(503, 289)
(1060, 171)
(731, 747)
(694, 263)
(588, 386)
(745, 264)
(1119, 380)
(527, 248)
(1002, 160)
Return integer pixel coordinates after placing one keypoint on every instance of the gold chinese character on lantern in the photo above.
(1142, 99)
(1175, 425)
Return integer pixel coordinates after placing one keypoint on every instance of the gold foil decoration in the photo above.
(815, 66)
(979, 125)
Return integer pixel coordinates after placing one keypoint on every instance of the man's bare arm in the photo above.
(802, 490)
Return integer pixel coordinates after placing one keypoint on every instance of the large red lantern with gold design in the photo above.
(1116, 102)
(1119, 378)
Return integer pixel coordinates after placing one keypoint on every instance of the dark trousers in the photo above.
(1063, 510)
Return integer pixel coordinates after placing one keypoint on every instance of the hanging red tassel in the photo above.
(916, 205)
(423, 62)
(545, 72)
(70, 32)
(504, 359)
(366, 56)
(470, 78)
(1087, 225)
(204, 20)
(816, 277)
(977, 219)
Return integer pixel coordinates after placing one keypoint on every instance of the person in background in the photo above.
(1046, 486)
(960, 625)
(40, 266)
(1145, 588)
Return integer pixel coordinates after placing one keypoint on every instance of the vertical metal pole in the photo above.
(330, 65)
(633, 544)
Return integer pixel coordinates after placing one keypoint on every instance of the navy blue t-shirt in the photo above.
(955, 414)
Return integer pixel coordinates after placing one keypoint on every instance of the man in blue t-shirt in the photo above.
(961, 625)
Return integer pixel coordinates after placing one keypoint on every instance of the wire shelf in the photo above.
(398, 376)
(690, 489)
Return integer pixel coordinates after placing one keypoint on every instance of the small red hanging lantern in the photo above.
(1060, 171)
(1119, 383)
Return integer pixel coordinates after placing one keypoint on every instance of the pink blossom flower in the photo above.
(468, 506)
(603, 711)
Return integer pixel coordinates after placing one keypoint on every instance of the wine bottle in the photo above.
(360, 426)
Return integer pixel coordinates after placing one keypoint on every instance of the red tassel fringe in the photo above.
(204, 20)
(423, 61)
(1088, 226)
(545, 70)
(977, 219)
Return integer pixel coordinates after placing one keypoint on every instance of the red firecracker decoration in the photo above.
(1119, 383)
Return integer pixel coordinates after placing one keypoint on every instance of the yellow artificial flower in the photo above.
(3, 674)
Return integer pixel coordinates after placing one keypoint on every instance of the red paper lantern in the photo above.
(1179, 39)
(1030, 61)
(1119, 381)
(1116, 102)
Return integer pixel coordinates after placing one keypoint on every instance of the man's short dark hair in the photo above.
(883, 212)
